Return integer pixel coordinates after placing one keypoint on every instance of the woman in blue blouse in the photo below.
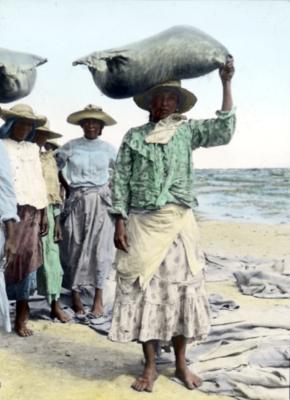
(8, 216)
(87, 248)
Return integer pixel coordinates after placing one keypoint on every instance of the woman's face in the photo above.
(164, 103)
(21, 129)
(92, 128)
(40, 138)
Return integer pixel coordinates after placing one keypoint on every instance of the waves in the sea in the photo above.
(249, 195)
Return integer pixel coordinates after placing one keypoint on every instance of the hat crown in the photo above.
(186, 98)
(91, 111)
(174, 84)
(22, 109)
(92, 107)
(46, 125)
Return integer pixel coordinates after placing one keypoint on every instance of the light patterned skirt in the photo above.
(87, 248)
(174, 303)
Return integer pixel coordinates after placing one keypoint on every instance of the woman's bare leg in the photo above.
(97, 308)
(22, 316)
(77, 305)
(182, 372)
(58, 313)
(146, 381)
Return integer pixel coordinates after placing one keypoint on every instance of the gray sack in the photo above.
(17, 74)
(180, 52)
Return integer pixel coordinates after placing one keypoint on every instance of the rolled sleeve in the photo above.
(215, 131)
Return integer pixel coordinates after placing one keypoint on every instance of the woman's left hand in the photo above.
(57, 232)
(10, 250)
(227, 70)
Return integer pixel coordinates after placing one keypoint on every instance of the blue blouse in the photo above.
(87, 162)
(8, 208)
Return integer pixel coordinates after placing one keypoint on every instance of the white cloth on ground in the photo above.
(261, 284)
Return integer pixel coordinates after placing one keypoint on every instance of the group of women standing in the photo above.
(86, 232)
(160, 294)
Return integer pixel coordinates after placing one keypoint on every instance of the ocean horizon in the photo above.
(255, 195)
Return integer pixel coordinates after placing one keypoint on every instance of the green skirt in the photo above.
(49, 275)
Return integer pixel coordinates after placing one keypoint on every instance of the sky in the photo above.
(256, 33)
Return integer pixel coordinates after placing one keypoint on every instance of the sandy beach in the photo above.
(72, 362)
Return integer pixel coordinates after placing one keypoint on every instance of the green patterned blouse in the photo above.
(148, 176)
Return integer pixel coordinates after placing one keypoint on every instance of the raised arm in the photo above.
(226, 73)
(217, 131)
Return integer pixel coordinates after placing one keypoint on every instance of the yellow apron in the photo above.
(150, 236)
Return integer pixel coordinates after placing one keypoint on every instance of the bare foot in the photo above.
(77, 305)
(97, 311)
(190, 380)
(146, 381)
(22, 330)
(58, 313)
(22, 315)
(97, 308)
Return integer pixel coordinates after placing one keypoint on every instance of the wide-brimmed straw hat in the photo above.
(90, 112)
(186, 99)
(23, 111)
(48, 132)
(53, 142)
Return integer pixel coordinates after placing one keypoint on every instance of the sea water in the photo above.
(244, 195)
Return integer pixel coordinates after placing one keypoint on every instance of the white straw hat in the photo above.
(93, 112)
(23, 111)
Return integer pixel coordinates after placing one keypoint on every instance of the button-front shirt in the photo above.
(87, 161)
(27, 175)
(150, 175)
(8, 208)
(50, 174)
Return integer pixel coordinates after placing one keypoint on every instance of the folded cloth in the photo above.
(220, 268)
(218, 303)
(261, 284)
(249, 375)
(248, 383)
(255, 392)
(274, 354)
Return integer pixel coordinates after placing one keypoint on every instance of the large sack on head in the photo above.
(178, 53)
(17, 74)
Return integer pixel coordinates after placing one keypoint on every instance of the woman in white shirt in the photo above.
(31, 196)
